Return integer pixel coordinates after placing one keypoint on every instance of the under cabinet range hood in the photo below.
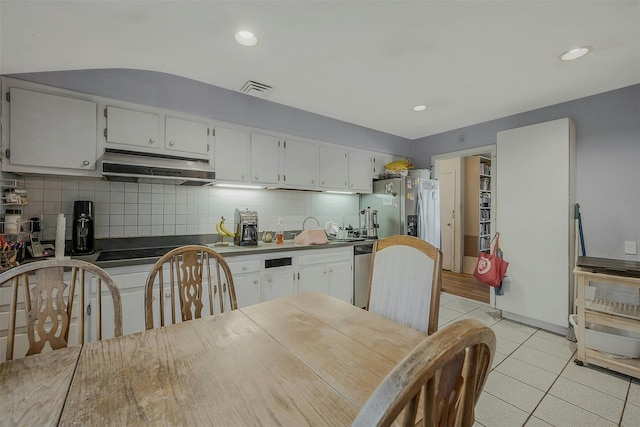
(132, 166)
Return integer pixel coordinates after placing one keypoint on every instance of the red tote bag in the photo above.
(490, 269)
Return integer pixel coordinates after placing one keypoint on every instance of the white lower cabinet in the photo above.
(328, 271)
(263, 277)
(131, 283)
(341, 279)
(278, 282)
(256, 278)
(313, 277)
(246, 280)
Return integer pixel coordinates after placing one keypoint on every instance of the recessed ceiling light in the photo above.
(419, 108)
(576, 53)
(246, 38)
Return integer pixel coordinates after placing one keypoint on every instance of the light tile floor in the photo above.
(534, 381)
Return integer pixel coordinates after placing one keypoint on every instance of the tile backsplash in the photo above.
(137, 209)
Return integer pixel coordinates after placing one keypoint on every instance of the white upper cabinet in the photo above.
(50, 131)
(265, 155)
(53, 131)
(186, 136)
(151, 132)
(379, 160)
(333, 168)
(231, 153)
(360, 172)
(135, 129)
(300, 164)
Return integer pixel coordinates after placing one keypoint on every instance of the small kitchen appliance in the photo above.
(369, 223)
(82, 236)
(246, 228)
(37, 249)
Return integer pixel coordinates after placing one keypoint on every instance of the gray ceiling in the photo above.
(363, 62)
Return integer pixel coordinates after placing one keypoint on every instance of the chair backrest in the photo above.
(49, 299)
(405, 282)
(179, 278)
(449, 368)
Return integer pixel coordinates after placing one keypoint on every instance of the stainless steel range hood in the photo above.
(122, 165)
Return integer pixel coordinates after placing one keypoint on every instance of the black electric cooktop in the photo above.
(115, 255)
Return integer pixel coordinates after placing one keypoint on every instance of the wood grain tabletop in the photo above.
(308, 359)
(33, 389)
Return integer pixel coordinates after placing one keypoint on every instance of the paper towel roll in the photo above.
(60, 231)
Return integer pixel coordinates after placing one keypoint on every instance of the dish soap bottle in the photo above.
(280, 232)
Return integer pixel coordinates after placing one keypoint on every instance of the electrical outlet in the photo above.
(630, 248)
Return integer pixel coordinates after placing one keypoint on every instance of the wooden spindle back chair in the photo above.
(448, 370)
(188, 277)
(48, 299)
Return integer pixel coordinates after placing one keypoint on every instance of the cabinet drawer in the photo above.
(242, 267)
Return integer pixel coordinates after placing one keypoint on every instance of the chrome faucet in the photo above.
(310, 217)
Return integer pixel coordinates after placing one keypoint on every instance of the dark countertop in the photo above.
(226, 251)
(209, 240)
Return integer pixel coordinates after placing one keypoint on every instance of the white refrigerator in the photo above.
(406, 205)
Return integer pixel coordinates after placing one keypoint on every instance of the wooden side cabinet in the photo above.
(612, 318)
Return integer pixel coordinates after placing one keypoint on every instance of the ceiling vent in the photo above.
(255, 88)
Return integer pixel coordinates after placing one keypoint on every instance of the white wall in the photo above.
(132, 210)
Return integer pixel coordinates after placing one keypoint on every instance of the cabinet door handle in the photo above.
(152, 141)
(244, 268)
(85, 163)
(269, 280)
(171, 143)
(255, 282)
(256, 177)
(167, 295)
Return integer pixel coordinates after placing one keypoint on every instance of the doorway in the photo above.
(462, 178)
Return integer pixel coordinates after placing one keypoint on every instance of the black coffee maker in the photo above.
(82, 239)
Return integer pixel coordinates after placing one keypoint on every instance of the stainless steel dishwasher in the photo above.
(362, 267)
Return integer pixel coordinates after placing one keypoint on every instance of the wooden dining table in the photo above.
(307, 359)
